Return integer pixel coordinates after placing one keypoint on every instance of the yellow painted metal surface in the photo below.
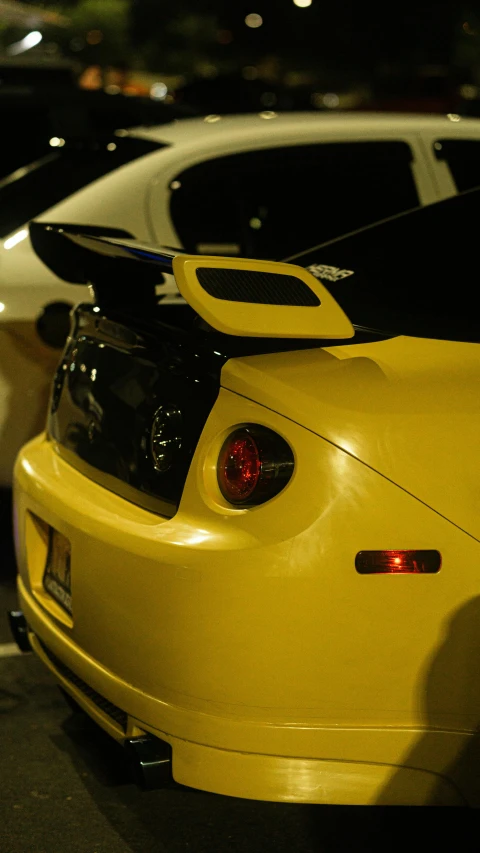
(326, 320)
(247, 639)
(278, 778)
(407, 407)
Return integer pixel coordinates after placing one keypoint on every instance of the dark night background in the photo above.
(415, 56)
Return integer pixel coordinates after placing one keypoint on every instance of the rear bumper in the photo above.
(253, 775)
(193, 634)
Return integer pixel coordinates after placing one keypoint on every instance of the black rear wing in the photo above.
(118, 267)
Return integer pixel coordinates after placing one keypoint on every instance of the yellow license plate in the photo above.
(56, 578)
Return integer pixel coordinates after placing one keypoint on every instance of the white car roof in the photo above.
(268, 124)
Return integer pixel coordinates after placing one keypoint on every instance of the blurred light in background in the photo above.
(91, 77)
(469, 91)
(158, 91)
(212, 119)
(56, 142)
(2, 307)
(94, 36)
(24, 44)
(15, 238)
(111, 146)
(207, 70)
(254, 21)
(303, 3)
(331, 100)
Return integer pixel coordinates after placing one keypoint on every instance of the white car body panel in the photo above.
(136, 198)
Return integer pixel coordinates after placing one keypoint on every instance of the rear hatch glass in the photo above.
(129, 404)
(415, 274)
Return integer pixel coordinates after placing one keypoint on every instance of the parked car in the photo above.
(259, 186)
(40, 102)
(248, 541)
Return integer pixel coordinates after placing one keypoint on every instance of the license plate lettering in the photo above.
(57, 577)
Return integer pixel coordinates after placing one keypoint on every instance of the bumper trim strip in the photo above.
(116, 714)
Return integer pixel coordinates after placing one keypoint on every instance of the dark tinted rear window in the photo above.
(416, 274)
(36, 187)
(463, 159)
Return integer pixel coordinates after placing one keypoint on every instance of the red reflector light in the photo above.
(398, 562)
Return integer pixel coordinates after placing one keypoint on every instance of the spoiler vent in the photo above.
(260, 288)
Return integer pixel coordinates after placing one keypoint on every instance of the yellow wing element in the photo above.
(254, 298)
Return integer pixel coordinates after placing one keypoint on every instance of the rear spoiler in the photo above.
(235, 296)
(106, 258)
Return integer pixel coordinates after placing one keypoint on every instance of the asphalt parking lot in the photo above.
(66, 788)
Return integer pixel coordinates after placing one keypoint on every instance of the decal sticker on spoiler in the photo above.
(328, 273)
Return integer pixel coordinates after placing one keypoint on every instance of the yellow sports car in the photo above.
(248, 541)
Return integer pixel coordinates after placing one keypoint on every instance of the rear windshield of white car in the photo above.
(72, 165)
(415, 274)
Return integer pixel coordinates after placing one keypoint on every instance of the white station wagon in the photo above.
(260, 186)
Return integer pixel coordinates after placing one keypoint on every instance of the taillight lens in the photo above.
(254, 465)
(412, 562)
(240, 467)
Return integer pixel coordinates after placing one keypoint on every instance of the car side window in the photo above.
(463, 159)
(269, 204)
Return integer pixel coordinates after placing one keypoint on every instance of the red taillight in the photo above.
(239, 468)
(397, 562)
(254, 465)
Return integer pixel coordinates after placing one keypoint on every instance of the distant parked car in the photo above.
(261, 186)
(38, 103)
